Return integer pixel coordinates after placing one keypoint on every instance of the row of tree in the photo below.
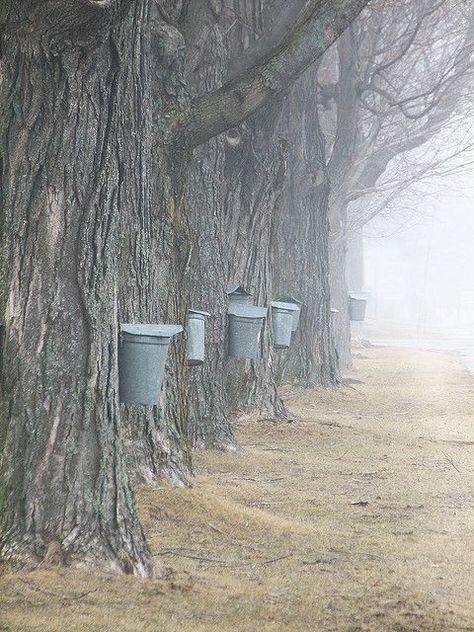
(151, 152)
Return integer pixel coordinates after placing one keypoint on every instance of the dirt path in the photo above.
(357, 516)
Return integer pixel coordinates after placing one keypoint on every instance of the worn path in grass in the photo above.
(358, 515)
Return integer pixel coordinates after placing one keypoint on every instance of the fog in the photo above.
(423, 274)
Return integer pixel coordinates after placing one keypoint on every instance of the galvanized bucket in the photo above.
(357, 307)
(142, 360)
(245, 325)
(196, 336)
(297, 313)
(282, 323)
(238, 295)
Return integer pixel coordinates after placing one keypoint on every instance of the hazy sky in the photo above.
(426, 273)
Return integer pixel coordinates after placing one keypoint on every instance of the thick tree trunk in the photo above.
(209, 422)
(75, 172)
(341, 164)
(255, 177)
(301, 265)
(232, 191)
(155, 238)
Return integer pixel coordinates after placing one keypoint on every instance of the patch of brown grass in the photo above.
(358, 516)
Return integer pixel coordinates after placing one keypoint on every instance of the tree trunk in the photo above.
(339, 289)
(76, 171)
(255, 177)
(301, 265)
(231, 191)
(209, 422)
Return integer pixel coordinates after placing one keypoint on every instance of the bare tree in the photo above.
(404, 74)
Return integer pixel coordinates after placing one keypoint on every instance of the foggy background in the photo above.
(421, 271)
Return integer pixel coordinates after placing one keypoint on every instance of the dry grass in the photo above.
(357, 516)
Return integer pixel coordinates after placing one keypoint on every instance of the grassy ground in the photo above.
(356, 516)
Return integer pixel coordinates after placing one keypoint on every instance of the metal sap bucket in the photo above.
(357, 307)
(245, 325)
(282, 323)
(196, 336)
(296, 313)
(334, 311)
(142, 360)
(237, 295)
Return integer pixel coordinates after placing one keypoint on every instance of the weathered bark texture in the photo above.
(75, 162)
(305, 41)
(255, 163)
(209, 422)
(255, 177)
(232, 189)
(301, 266)
(154, 237)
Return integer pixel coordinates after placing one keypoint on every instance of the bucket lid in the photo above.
(248, 311)
(291, 299)
(291, 307)
(152, 331)
(334, 310)
(358, 297)
(235, 288)
(198, 311)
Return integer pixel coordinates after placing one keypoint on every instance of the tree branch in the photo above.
(287, 15)
(231, 104)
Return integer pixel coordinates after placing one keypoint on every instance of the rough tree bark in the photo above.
(321, 23)
(301, 265)
(63, 477)
(209, 423)
(154, 236)
(255, 169)
(255, 178)
(232, 189)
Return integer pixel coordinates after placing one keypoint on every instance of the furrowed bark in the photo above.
(74, 160)
(233, 186)
(301, 265)
(209, 423)
(340, 300)
(255, 178)
(155, 238)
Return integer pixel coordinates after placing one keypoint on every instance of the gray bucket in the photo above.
(282, 323)
(357, 306)
(142, 360)
(334, 311)
(237, 295)
(196, 336)
(296, 313)
(245, 325)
